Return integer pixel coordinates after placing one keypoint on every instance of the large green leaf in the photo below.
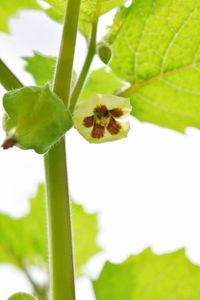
(10, 8)
(156, 47)
(150, 277)
(23, 241)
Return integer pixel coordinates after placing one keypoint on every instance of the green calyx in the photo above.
(35, 118)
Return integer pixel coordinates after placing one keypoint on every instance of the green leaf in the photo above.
(155, 47)
(150, 277)
(35, 118)
(85, 230)
(41, 67)
(23, 241)
(101, 81)
(22, 296)
(90, 11)
(10, 8)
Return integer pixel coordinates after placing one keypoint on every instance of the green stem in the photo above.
(58, 207)
(8, 80)
(83, 75)
(63, 75)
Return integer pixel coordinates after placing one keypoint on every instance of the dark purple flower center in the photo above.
(103, 119)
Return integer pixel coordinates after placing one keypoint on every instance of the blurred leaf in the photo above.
(101, 82)
(150, 277)
(22, 296)
(23, 241)
(85, 231)
(41, 67)
(10, 8)
(90, 11)
(155, 47)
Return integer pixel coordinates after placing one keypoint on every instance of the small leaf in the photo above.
(35, 118)
(22, 296)
(149, 277)
(41, 67)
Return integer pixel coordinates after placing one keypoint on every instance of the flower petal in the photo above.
(98, 132)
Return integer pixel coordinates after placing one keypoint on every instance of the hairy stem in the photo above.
(58, 207)
(8, 80)
(83, 75)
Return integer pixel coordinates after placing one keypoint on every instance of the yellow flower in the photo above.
(99, 119)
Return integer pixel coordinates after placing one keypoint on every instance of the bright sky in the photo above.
(145, 188)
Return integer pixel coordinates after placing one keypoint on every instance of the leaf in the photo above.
(11, 8)
(155, 47)
(41, 67)
(101, 81)
(22, 296)
(150, 277)
(90, 11)
(23, 241)
(35, 118)
(85, 230)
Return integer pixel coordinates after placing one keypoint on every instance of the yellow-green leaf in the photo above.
(41, 67)
(156, 48)
(22, 296)
(23, 241)
(11, 8)
(90, 11)
(101, 81)
(150, 277)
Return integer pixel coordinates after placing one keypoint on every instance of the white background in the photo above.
(146, 188)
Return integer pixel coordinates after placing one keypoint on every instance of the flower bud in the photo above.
(104, 52)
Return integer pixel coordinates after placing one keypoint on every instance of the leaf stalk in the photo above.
(86, 66)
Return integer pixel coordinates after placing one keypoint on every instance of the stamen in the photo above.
(98, 131)
(113, 126)
(88, 121)
(101, 111)
(116, 112)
